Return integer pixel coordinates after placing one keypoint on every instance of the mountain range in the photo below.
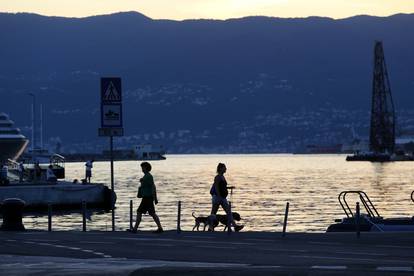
(253, 84)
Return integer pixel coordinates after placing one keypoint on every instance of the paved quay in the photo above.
(205, 253)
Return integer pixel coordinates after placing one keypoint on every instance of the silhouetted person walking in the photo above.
(219, 196)
(148, 192)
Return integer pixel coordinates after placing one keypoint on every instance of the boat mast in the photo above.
(41, 126)
(33, 123)
(382, 131)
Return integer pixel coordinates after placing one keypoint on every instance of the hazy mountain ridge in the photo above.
(199, 75)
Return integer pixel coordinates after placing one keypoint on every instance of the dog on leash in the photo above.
(213, 221)
(206, 221)
(223, 220)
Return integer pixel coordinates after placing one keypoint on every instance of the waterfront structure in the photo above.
(382, 127)
(382, 130)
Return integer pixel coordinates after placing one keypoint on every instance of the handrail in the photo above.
(12, 165)
(366, 202)
(57, 159)
(58, 156)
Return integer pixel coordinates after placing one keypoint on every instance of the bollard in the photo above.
(12, 210)
(130, 214)
(285, 220)
(83, 216)
(179, 218)
(229, 219)
(49, 217)
(357, 220)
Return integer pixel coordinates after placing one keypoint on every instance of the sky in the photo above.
(214, 9)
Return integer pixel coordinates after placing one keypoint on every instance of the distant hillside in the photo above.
(248, 84)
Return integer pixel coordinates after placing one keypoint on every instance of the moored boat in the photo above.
(371, 220)
(61, 195)
(12, 142)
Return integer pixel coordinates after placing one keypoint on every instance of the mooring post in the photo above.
(286, 219)
(130, 214)
(179, 218)
(357, 220)
(83, 216)
(49, 217)
(229, 219)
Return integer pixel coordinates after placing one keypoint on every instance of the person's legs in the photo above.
(137, 221)
(156, 219)
(214, 208)
(88, 176)
(226, 207)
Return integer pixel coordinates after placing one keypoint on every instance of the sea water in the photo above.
(263, 185)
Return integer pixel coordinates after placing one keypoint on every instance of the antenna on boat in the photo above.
(41, 126)
(33, 124)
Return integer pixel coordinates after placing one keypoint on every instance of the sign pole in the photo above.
(111, 123)
(111, 146)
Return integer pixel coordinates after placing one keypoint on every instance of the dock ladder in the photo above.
(366, 202)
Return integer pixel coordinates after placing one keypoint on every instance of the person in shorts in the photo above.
(88, 170)
(148, 193)
(219, 196)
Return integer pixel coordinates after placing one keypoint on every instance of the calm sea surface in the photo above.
(264, 183)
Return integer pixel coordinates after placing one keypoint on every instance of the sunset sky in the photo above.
(217, 9)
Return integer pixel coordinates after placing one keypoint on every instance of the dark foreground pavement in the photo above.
(205, 253)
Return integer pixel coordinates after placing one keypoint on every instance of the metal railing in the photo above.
(366, 202)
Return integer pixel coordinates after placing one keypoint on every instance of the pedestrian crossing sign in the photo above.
(111, 90)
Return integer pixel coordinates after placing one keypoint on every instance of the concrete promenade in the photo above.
(205, 253)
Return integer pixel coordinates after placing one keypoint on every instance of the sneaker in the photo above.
(132, 231)
(237, 228)
(159, 230)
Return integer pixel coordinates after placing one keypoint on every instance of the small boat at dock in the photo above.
(371, 220)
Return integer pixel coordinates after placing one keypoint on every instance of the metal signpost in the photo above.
(111, 121)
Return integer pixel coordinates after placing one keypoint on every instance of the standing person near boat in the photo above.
(88, 170)
(148, 192)
(21, 171)
(219, 195)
